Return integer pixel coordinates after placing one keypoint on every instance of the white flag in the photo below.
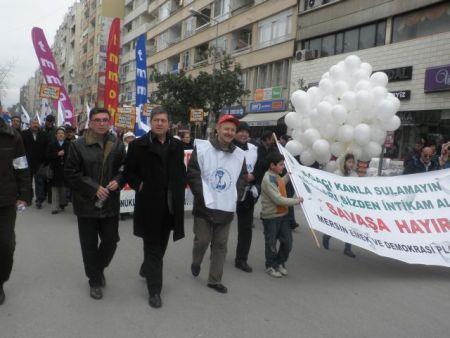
(88, 109)
(61, 118)
(140, 124)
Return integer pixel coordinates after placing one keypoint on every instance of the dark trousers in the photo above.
(277, 229)
(154, 250)
(7, 241)
(97, 257)
(40, 188)
(244, 211)
(348, 246)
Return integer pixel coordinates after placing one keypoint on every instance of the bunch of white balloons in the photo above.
(349, 112)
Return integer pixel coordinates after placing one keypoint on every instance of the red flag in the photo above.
(112, 69)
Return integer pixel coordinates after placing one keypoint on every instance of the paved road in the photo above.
(325, 295)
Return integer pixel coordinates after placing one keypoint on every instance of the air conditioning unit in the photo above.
(307, 54)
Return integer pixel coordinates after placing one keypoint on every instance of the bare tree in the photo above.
(5, 72)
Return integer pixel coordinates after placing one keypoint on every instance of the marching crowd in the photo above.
(226, 174)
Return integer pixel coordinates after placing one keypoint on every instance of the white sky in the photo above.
(18, 17)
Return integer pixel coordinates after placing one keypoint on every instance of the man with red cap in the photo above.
(216, 176)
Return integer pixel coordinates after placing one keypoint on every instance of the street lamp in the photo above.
(204, 16)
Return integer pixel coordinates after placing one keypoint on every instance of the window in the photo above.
(427, 21)
(221, 9)
(164, 11)
(201, 53)
(188, 27)
(275, 29)
(203, 20)
(311, 4)
(186, 60)
(270, 75)
(242, 39)
(362, 37)
(222, 46)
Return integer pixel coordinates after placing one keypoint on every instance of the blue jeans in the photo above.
(277, 229)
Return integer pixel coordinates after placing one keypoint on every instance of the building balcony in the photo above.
(142, 8)
(133, 34)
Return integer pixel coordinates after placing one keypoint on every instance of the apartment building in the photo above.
(193, 36)
(66, 50)
(409, 40)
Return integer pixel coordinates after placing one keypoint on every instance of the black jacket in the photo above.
(195, 183)
(36, 150)
(416, 166)
(261, 165)
(160, 189)
(57, 162)
(15, 180)
(83, 173)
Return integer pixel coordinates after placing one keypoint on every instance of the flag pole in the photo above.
(313, 233)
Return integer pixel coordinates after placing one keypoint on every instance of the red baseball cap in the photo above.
(228, 118)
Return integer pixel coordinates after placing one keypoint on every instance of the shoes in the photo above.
(141, 271)
(281, 269)
(218, 287)
(103, 280)
(325, 242)
(195, 269)
(155, 301)
(2, 295)
(96, 292)
(294, 226)
(54, 212)
(62, 207)
(273, 273)
(349, 253)
(39, 205)
(243, 266)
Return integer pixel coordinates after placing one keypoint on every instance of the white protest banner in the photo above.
(401, 217)
(127, 194)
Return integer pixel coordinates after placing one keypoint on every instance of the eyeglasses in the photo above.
(100, 120)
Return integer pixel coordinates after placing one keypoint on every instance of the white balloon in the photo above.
(325, 75)
(337, 72)
(356, 150)
(311, 136)
(339, 114)
(326, 86)
(377, 134)
(352, 62)
(349, 100)
(345, 133)
(364, 99)
(307, 158)
(378, 93)
(367, 68)
(361, 134)
(314, 96)
(393, 123)
(292, 120)
(337, 148)
(331, 166)
(300, 100)
(372, 149)
(321, 148)
(330, 99)
(306, 124)
(379, 79)
(322, 159)
(385, 109)
(354, 118)
(328, 131)
(395, 101)
(324, 109)
(340, 87)
(294, 147)
(363, 85)
(360, 75)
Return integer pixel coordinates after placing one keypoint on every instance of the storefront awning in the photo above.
(263, 119)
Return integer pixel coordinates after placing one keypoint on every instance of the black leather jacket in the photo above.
(83, 173)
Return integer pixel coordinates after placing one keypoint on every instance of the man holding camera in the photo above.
(94, 172)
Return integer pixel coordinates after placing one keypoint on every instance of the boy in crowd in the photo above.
(274, 215)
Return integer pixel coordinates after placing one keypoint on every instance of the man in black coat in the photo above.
(265, 148)
(93, 170)
(154, 168)
(15, 183)
(36, 141)
(422, 164)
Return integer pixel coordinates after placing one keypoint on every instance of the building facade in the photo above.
(409, 40)
(195, 35)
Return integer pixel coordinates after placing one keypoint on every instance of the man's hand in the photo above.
(141, 186)
(250, 178)
(61, 153)
(20, 202)
(102, 193)
(113, 185)
(300, 200)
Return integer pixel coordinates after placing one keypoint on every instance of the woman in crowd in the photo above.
(347, 168)
(56, 155)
